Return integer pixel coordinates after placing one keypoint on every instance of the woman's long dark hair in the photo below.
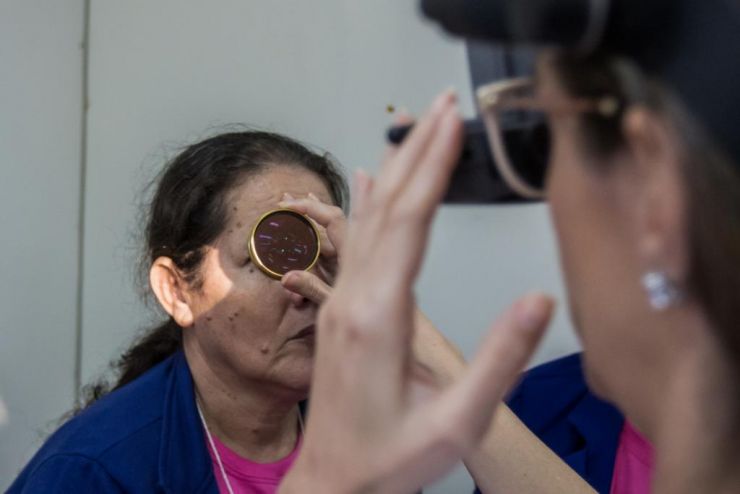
(189, 210)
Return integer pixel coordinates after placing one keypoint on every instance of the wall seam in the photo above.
(85, 48)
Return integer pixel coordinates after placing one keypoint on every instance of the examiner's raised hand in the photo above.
(437, 362)
(365, 433)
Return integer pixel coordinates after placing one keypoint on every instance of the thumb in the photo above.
(307, 285)
(504, 353)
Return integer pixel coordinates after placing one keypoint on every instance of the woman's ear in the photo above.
(661, 201)
(170, 289)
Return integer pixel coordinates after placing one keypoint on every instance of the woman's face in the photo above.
(245, 324)
(594, 209)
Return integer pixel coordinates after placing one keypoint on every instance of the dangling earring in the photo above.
(662, 292)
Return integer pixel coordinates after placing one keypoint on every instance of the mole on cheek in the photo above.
(209, 318)
(238, 224)
(265, 349)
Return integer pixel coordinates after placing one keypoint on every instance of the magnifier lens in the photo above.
(284, 241)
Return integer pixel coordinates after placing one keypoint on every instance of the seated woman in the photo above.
(209, 400)
(235, 346)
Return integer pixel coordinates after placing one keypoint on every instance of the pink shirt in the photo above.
(633, 466)
(248, 477)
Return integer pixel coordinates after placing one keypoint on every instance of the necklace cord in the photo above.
(215, 451)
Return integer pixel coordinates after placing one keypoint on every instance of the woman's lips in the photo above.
(307, 332)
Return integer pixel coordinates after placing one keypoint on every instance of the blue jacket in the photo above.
(145, 437)
(555, 403)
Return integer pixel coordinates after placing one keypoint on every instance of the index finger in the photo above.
(500, 360)
(327, 215)
(393, 173)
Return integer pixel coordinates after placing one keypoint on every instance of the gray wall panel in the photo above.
(40, 97)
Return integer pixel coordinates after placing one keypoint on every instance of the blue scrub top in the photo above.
(554, 401)
(145, 437)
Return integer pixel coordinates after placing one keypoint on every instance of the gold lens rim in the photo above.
(252, 249)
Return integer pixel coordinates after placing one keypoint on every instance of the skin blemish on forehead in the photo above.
(238, 224)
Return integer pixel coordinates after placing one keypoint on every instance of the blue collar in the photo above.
(184, 461)
(600, 440)
(554, 401)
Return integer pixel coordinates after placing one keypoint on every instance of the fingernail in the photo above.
(440, 102)
(532, 311)
(288, 197)
(403, 117)
(445, 98)
(312, 196)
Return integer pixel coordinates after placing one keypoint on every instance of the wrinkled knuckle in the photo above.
(305, 285)
(314, 292)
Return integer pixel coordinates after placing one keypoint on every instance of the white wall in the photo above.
(164, 73)
(40, 102)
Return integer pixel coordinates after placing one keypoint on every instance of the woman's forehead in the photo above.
(262, 192)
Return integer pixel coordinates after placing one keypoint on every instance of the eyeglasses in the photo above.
(284, 240)
(518, 132)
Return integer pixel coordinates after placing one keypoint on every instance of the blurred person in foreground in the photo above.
(643, 187)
